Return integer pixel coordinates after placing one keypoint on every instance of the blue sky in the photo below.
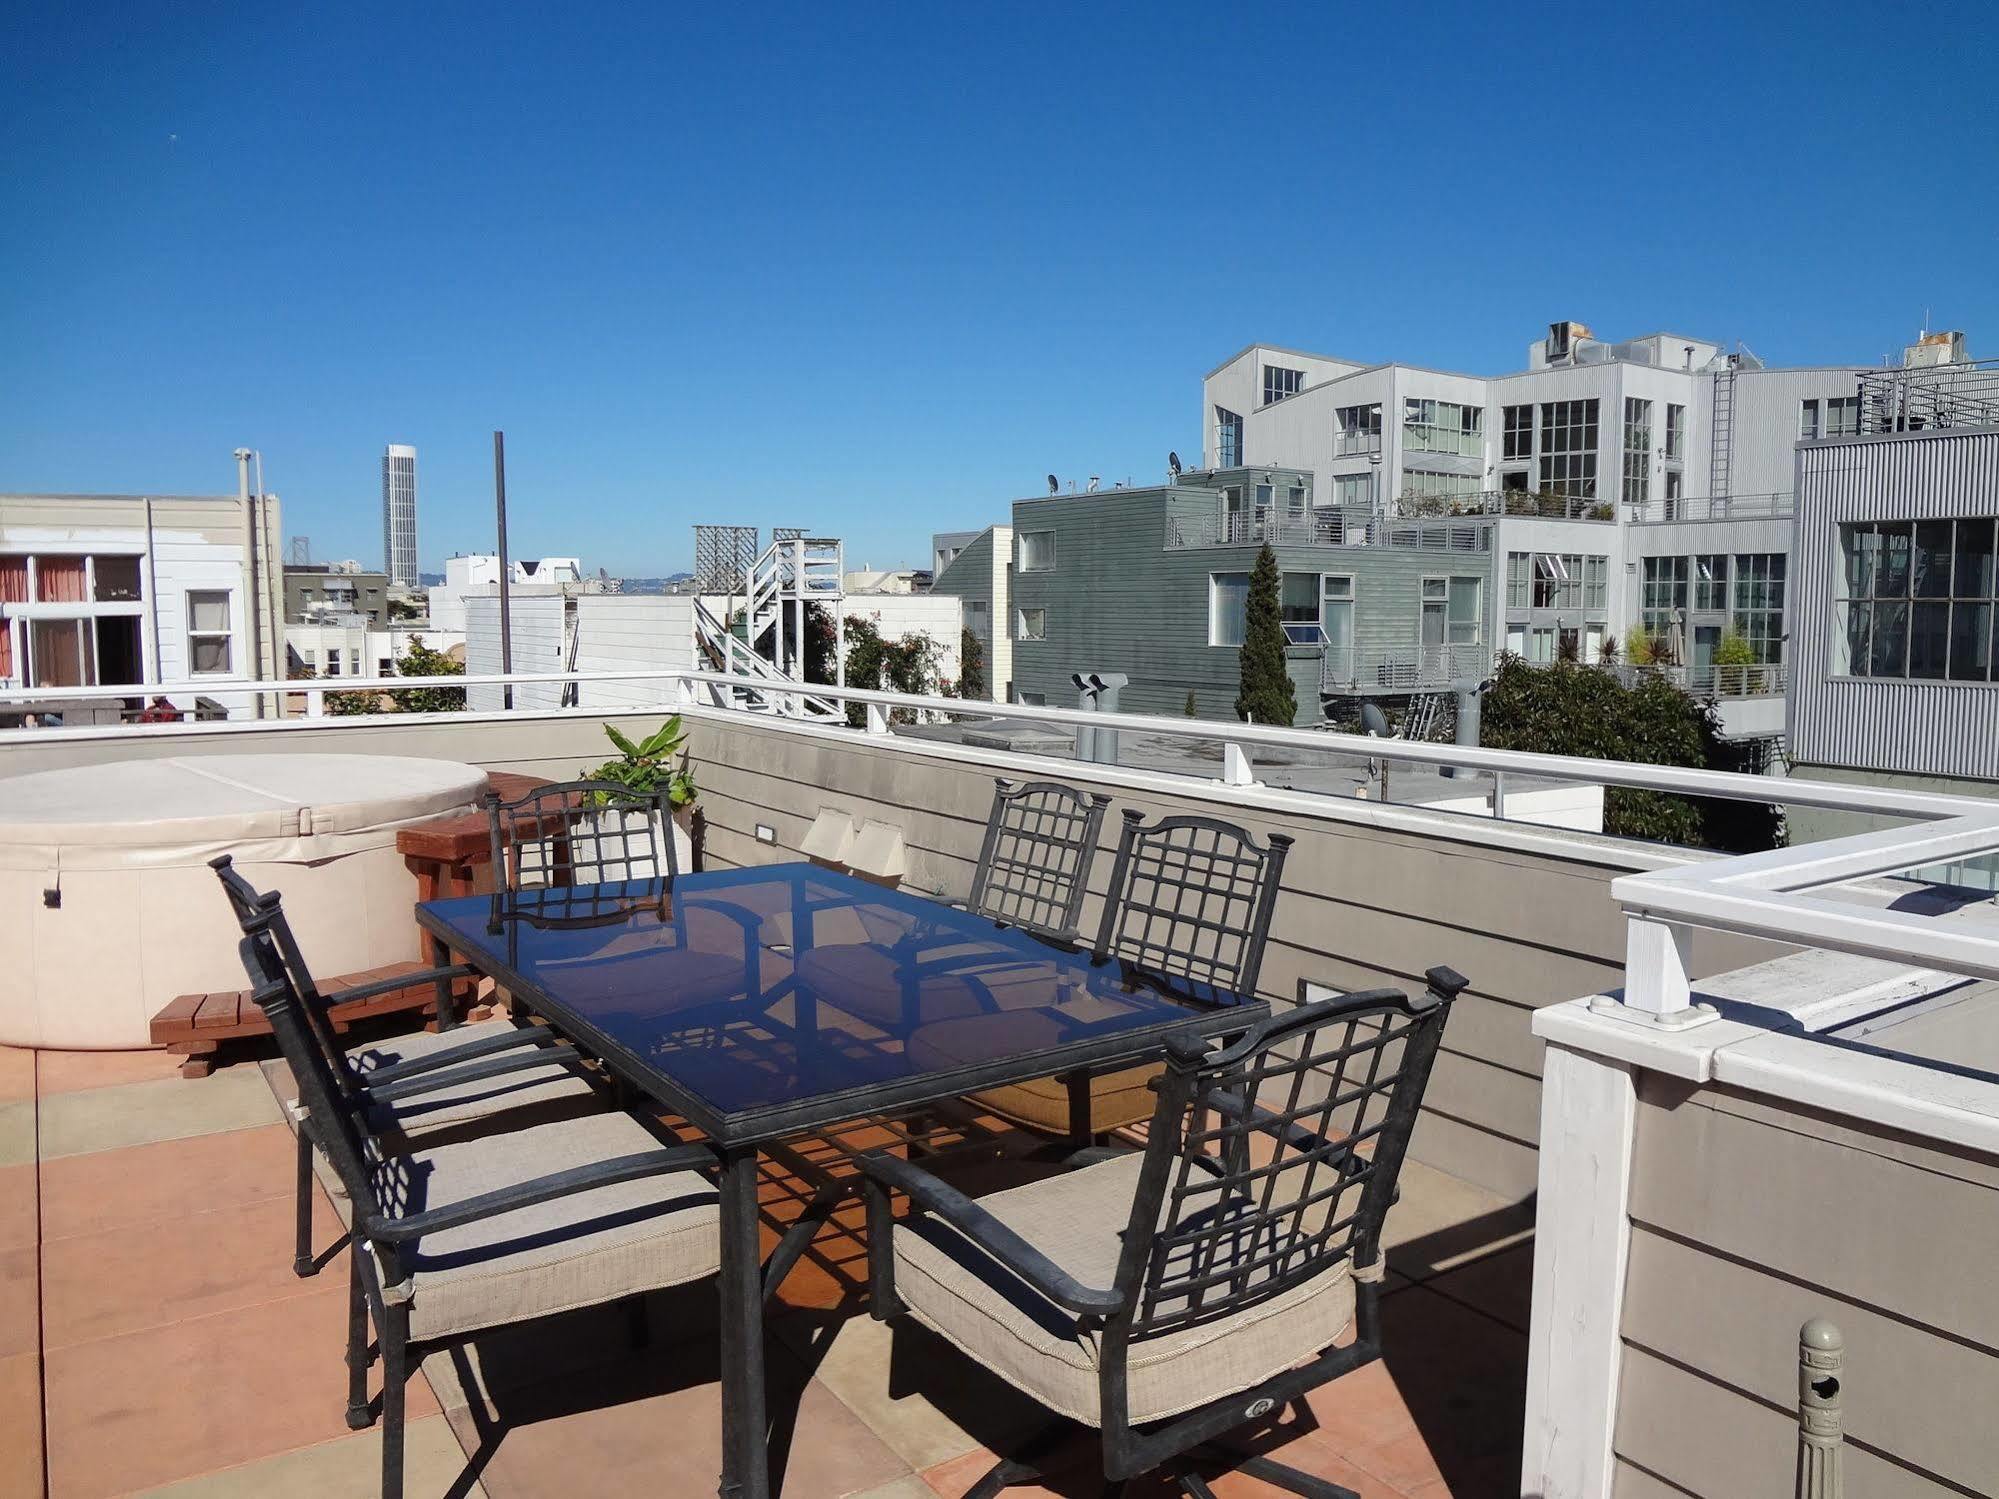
(875, 270)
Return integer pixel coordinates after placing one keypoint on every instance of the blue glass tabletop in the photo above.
(759, 1002)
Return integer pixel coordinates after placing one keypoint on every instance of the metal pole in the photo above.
(506, 615)
(250, 576)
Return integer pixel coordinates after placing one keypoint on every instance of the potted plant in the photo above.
(656, 763)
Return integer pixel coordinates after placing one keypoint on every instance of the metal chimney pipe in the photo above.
(506, 568)
(1821, 1361)
(251, 607)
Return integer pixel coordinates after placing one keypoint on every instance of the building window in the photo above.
(1596, 571)
(1429, 484)
(1518, 441)
(1758, 612)
(1280, 383)
(1442, 427)
(1451, 614)
(1517, 565)
(1228, 598)
(1674, 482)
(1037, 551)
(208, 638)
(1710, 582)
(1676, 433)
(1353, 489)
(1228, 439)
(1919, 600)
(1831, 416)
(115, 580)
(1568, 448)
(1336, 611)
(1359, 430)
(1664, 597)
(1031, 624)
(1808, 420)
(1637, 451)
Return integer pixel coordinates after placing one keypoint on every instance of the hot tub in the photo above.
(108, 910)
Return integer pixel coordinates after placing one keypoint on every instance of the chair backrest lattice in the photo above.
(1034, 865)
(1191, 898)
(1273, 1160)
(579, 833)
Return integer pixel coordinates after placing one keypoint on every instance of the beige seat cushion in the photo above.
(1077, 1219)
(576, 1251)
(512, 1100)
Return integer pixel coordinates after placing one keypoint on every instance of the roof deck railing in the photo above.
(1930, 397)
(1774, 506)
(1777, 895)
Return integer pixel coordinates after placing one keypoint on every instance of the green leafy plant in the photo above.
(1267, 694)
(906, 665)
(972, 665)
(1191, 710)
(648, 766)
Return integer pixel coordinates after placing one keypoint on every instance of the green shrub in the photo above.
(1267, 694)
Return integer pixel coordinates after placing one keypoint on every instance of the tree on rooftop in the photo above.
(1267, 694)
(971, 665)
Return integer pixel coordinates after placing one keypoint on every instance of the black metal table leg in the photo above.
(745, 1453)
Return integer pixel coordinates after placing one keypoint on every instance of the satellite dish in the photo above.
(1054, 485)
(1374, 721)
(1173, 464)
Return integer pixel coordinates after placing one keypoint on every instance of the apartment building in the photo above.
(1426, 519)
(1896, 625)
(123, 590)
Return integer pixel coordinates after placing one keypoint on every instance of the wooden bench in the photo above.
(197, 1026)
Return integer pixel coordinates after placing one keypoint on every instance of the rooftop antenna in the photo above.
(1054, 485)
(1173, 464)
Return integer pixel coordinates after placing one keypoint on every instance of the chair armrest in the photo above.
(496, 1066)
(348, 993)
(536, 1036)
(1005, 1246)
(609, 1173)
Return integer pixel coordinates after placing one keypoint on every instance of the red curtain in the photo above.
(6, 650)
(59, 580)
(13, 580)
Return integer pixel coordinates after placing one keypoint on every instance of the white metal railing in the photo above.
(1346, 669)
(1714, 507)
(1344, 526)
(1527, 503)
(718, 689)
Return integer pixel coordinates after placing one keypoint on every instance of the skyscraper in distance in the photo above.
(399, 515)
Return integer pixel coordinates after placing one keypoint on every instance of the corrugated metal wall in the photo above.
(1926, 728)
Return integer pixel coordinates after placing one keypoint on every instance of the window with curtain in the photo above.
(6, 651)
(59, 580)
(1228, 598)
(208, 641)
(13, 580)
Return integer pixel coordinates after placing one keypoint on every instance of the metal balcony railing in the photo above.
(1933, 396)
(1345, 669)
(1513, 502)
(1715, 507)
(1759, 679)
(1352, 526)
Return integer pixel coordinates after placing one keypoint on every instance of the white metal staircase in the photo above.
(793, 571)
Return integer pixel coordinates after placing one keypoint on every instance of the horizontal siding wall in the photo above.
(1750, 1218)
(1926, 728)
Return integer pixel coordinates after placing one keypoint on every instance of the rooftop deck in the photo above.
(154, 1340)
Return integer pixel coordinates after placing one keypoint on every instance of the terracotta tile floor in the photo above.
(153, 1340)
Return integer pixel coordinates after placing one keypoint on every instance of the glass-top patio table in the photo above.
(775, 1001)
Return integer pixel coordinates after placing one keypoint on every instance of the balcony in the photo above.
(1775, 1100)
(1518, 503)
(1778, 506)
(1349, 526)
(1350, 672)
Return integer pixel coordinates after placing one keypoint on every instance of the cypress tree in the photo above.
(1267, 695)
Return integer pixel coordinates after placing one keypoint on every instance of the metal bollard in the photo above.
(1086, 702)
(1821, 1360)
(1108, 684)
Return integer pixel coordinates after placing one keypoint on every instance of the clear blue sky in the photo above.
(876, 270)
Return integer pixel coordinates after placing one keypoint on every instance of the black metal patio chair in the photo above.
(580, 833)
(1172, 1297)
(1190, 902)
(449, 1240)
(444, 1085)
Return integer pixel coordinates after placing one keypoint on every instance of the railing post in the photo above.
(877, 719)
(1821, 1360)
(1657, 955)
(315, 702)
(1236, 769)
(1498, 795)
